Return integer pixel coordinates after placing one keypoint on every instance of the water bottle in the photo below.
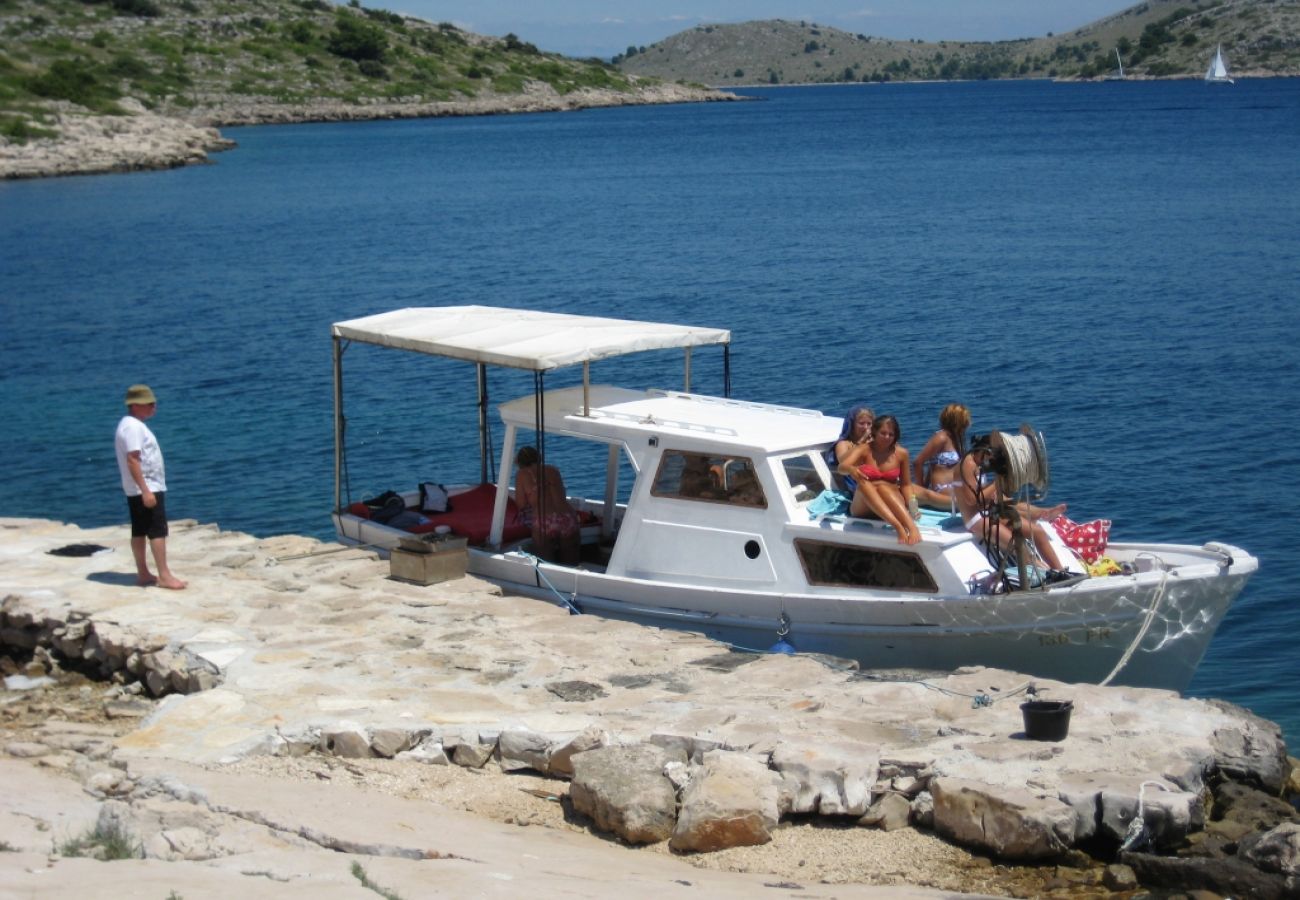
(914, 508)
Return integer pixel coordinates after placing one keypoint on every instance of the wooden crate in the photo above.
(443, 564)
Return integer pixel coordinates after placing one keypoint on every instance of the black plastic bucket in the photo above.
(1047, 720)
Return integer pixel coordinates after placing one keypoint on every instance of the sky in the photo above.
(605, 27)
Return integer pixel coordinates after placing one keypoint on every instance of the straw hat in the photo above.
(139, 395)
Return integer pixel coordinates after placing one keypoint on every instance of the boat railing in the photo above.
(732, 403)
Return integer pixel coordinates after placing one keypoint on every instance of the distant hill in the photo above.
(235, 61)
(1156, 39)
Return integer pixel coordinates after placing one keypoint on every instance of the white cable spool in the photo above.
(1026, 457)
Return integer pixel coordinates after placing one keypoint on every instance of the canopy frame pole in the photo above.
(483, 448)
(611, 491)
(503, 489)
(586, 389)
(687, 386)
(726, 370)
(338, 424)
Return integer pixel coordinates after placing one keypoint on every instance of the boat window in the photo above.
(838, 565)
(701, 476)
(802, 475)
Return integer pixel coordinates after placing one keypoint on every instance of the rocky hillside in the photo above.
(1157, 39)
(73, 68)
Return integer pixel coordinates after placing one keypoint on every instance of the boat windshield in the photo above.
(700, 476)
(801, 473)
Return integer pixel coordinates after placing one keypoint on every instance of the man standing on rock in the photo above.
(140, 462)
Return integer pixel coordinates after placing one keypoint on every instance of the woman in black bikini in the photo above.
(882, 471)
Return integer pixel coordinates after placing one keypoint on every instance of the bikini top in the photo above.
(947, 458)
(871, 473)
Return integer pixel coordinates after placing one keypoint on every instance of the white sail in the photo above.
(1218, 70)
(1120, 61)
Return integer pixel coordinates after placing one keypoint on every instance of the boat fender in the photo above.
(783, 632)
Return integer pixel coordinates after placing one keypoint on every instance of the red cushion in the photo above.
(471, 516)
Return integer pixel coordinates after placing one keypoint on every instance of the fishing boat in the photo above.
(753, 555)
(1118, 74)
(1217, 73)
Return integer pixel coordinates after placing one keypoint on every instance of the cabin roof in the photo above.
(520, 338)
(695, 421)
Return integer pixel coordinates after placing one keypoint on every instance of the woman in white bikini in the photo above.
(934, 471)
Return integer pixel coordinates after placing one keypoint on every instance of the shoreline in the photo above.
(146, 141)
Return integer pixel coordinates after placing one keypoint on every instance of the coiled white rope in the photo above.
(1022, 462)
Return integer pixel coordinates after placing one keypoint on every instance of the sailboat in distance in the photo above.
(1117, 75)
(1217, 73)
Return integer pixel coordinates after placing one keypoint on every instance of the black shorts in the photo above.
(146, 522)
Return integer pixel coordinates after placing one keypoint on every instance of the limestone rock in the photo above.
(467, 751)
(174, 844)
(1278, 851)
(388, 742)
(832, 778)
(731, 801)
(521, 749)
(346, 740)
(27, 749)
(1168, 816)
(1251, 749)
(921, 811)
(1009, 822)
(1118, 877)
(1228, 877)
(889, 812)
(624, 791)
(429, 751)
(560, 764)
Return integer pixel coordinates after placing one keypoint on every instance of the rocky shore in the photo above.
(231, 714)
(89, 144)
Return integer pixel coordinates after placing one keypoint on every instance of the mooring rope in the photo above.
(1156, 598)
(569, 602)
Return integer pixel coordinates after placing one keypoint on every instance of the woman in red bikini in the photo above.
(882, 471)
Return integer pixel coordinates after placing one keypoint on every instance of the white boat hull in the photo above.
(1076, 632)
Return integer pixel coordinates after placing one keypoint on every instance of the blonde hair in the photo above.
(955, 419)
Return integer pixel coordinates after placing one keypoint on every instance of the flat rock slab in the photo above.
(304, 637)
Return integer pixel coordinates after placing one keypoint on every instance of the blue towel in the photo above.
(829, 503)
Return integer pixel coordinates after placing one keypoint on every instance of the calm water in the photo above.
(1115, 263)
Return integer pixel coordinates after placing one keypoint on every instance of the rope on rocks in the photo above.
(1137, 834)
(279, 559)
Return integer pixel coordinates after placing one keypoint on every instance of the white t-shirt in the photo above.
(133, 435)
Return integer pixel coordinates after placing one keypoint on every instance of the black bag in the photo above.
(393, 507)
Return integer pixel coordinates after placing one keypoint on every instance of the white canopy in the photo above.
(520, 338)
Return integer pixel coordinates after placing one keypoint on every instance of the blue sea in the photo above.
(1117, 264)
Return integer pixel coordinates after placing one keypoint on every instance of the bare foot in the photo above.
(1055, 512)
(145, 580)
(913, 536)
(172, 583)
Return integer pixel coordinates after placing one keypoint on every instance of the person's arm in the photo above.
(137, 475)
(849, 464)
(904, 472)
(930, 449)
